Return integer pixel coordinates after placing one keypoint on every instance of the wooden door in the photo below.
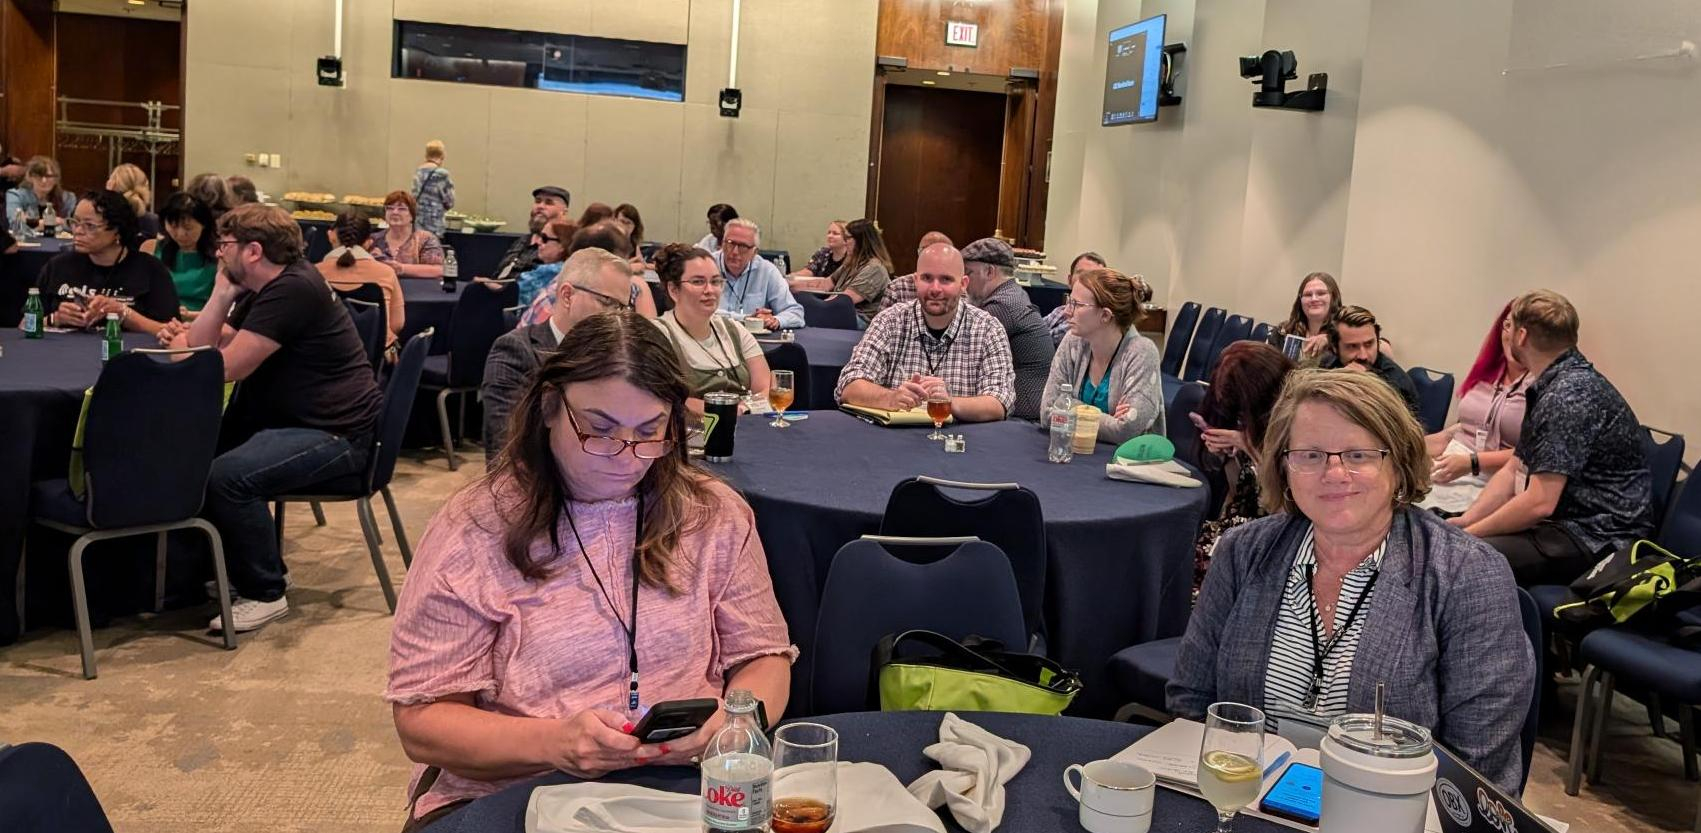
(939, 167)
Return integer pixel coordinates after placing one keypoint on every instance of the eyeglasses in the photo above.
(1072, 305)
(223, 243)
(737, 246)
(601, 446)
(544, 238)
(1355, 460)
(87, 228)
(606, 300)
(700, 283)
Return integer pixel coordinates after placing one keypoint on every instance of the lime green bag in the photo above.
(979, 676)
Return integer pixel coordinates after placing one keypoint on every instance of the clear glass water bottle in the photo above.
(1061, 419)
(451, 269)
(738, 767)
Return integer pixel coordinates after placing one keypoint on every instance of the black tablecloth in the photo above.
(18, 272)
(1120, 554)
(41, 391)
(1035, 800)
(829, 351)
(477, 253)
(429, 306)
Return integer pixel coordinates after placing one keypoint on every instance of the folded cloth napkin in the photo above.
(1167, 473)
(974, 767)
(870, 800)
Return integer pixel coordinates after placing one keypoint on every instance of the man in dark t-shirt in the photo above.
(1355, 343)
(307, 405)
(1579, 484)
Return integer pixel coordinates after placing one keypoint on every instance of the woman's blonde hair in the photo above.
(434, 150)
(1369, 403)
(133, 184)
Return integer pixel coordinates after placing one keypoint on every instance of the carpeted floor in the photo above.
(289, 733)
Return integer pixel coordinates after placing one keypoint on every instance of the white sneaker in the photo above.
(248, 615)
(212, 587)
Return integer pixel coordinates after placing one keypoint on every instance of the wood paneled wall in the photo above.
(1013, 33)
(138, 60)
(26, 76)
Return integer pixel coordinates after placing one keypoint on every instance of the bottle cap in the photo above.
(112, 316)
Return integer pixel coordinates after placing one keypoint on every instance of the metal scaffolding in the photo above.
(152, 138)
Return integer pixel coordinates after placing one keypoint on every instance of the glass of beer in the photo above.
(938, 410)
(780, 394)
(806, 785)
(1231, 759)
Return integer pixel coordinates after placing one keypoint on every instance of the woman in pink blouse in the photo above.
(516, 648)
(1490, 417)
(412, 251)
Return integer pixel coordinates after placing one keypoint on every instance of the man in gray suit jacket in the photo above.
(592, 281)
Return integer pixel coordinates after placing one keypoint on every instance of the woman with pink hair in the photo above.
(1491, 413)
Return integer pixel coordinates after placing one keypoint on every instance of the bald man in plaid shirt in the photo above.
(936, 345)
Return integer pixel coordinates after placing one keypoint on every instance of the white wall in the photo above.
(795, 158)
(1450, 172)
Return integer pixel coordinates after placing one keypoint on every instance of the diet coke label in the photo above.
(736, 792)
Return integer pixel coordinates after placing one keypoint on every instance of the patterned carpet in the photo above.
(289, 732)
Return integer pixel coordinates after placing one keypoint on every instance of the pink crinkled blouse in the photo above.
(468, 622)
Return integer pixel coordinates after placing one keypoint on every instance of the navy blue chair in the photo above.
(1199, 357)
(1261, 333)
(1435, 395)
(1006, 515)
(511, 317)
(1179, 427)
(1665, 459)
(1529, 614)
(791, 356)
(833, 311)
(380, 467)
(477, 322)
(1180, 335)
(371, 323)
(142, 488)
(1235, 328)
(871, 593)
(1682, 531)
(43, 791)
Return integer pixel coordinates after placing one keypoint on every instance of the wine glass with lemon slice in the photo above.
(1231, 759)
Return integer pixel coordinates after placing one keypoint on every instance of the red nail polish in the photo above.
(642, 761)
(664, 749)
(628, 727)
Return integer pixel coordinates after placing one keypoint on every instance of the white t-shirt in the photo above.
(738, 348)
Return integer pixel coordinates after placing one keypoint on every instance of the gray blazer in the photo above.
(507, 371)
(1133, 379)
(1443, 632)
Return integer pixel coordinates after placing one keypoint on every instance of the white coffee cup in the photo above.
(1375, 782)
(1115, 797)
(755, 325)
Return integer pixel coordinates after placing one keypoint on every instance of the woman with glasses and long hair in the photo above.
(717, 352)
(40, 189)
(551, 253)
(410, 250)
(1112, 366)
(1347, 584)
(104, 273)
(592, 574)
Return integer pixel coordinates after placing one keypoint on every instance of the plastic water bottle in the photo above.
(21, 226)
(451, 270)
(738, 766)
(49, 220)
(1061, 418)
(113, 342)
(35, 320)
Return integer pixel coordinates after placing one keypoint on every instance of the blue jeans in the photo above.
(272, 462)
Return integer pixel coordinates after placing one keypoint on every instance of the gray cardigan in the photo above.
(1443, 632)
(1133, 379)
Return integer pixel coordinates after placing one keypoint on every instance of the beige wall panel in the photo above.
(637, 147)
(457, 114)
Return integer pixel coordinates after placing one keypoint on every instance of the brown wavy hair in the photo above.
(1123, 296)
(1367, 401)
(1296, 324)
(671, 259)
(527, 482)
(1244, 389)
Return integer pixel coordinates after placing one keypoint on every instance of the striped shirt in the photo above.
(1299, 635)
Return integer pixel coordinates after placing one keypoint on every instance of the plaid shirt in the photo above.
(1058, 321)
(434, 191)
(900, 290)
(973, 356)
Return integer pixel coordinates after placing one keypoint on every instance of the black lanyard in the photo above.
(948, 338)
(743, 288)
(1087, 373)
(632, 629)
(1320, 652)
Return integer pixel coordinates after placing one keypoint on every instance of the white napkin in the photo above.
(1167, 473)
(974, 767)
(870, 800)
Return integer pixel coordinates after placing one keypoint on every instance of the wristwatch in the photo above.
(1476, 465)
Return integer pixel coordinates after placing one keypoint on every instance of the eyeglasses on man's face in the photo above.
(598, 445)
(738, 246)
(606, 300)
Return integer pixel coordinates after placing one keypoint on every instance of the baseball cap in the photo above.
(1146, 448)
(990, 250)
(553, 191)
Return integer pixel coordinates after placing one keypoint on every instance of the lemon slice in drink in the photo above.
(1230, 767)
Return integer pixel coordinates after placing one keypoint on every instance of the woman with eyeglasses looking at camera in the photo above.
(104, 273)
(593, 567)
(1347, 584)
(412, 251)
(717, 352)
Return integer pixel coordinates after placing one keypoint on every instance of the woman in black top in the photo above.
(105, 273)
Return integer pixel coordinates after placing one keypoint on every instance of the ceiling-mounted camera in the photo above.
(1272, 71)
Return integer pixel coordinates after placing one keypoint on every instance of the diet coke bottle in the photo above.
(737, 767)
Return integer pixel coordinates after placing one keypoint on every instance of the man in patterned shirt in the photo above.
(902, 288)
(1579, 482)
(934, 346)
(1058, 319)
(991, 265)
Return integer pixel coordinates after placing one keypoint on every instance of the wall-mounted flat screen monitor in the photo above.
(1133, 71)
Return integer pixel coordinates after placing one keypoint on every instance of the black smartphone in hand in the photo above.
(674, 719)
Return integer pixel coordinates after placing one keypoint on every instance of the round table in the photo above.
(429, 306)
(1035, 801)
(20, 270)
(41, 391)
(829, 350)
(1120, 554)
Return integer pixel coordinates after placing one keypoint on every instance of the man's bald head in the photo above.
(931, 238)
(940, 258)
(939, 282)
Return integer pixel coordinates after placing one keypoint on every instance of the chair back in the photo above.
(1435, 396)
(177, 407)
(791, 356)
(1682, 531)
(476, 324)
(1530, 613)
(1005, 515)
(511, 317)
(664, 301)
(837, 312)
(398, 405)
(871, 593)
(1180, 335)
(1261, 333)
(371, 293)
(371, 323)
(1665, 458)
(1235, 328)
(1200, 356)
(1179, 427)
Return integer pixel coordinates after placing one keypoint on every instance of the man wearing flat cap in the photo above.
(991, 267)
(549, 202)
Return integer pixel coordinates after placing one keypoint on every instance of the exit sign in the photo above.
(958, 33)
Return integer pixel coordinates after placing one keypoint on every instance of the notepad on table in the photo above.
(881, 416)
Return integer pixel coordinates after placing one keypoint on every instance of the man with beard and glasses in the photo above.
(549, 203)
(308, 402)
(934, 346)
(1355, 343)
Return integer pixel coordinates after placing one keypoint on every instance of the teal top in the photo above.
(1097, 395)
(193, 275)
